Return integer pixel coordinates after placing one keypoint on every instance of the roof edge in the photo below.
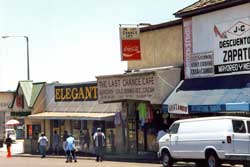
(211, 8)
(161, 25)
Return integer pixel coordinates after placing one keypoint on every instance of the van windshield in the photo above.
(174, 128)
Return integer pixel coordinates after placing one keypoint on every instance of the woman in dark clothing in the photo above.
(8, 143)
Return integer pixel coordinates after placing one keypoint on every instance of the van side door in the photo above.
(240, 137)
(173, 137)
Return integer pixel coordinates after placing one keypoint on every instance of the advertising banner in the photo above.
(130, 43)
(232, 46)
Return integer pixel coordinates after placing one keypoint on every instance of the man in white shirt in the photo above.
(99, 143)
(43, 142)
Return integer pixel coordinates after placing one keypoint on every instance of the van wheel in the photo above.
(167, 161)
(212, 160)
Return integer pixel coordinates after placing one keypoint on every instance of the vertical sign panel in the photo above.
(130, 43)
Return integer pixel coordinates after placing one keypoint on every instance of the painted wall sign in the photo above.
(201, 65)
(232, 46)
(83, 92)
(138, 87)
(188, 45)
(130, 43)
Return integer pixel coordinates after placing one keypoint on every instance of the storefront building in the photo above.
(5, 100)
(216, 60)
(141, 94)
(145, 85)
(26, 101)
(74, 108)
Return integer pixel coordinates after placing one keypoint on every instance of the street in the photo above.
(26, 161)
(60, 162)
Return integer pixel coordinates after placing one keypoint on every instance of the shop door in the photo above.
(132, 136)
(240, 137)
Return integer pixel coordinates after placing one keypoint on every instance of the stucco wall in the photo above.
(162, 47)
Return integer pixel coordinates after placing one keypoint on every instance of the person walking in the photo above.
(8, 143)
(55, 144)
(43, 142)
(70, 149)
(99, 143)
(65, 136)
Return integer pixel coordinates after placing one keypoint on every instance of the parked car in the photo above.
(208, 141)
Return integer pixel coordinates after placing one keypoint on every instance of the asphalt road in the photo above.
(60, 162)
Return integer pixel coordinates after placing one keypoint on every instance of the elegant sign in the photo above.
(130, 43)
(83, 92)
(232, 46)
(134, 87)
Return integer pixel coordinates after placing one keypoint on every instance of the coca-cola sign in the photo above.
(130, 43)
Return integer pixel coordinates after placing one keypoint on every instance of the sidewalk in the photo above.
(115, 157)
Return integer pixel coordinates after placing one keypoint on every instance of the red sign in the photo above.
(131, 50)
(130, 43)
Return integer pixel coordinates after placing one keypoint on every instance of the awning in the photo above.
(73, 116)
(215, 94)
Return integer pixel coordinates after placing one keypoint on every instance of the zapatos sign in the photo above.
(232, 46)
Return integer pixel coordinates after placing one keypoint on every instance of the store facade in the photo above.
(216, 60)
(141, 95)
(145, 85)
(74, 108)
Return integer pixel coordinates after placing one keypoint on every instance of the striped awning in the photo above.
(73, 116)
(214, 94)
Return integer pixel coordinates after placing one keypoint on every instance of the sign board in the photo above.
(82, 92)
(201, 65)
(134, 87)
(178, 109)
(232, 46)
(229, 52)
(130, 43)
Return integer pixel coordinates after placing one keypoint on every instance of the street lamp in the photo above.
(27, 42)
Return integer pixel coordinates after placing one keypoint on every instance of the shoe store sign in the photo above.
(232, 46)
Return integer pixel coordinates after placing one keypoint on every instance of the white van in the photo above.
(208, 141)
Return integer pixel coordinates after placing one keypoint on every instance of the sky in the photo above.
(71, 41)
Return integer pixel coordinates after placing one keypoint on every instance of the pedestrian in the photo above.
(70, 149)
(86, 139)
(99, 143)
(112, 140)
(43, 142)
(160, 134)
(81, 137)
(55, 143)
(65, 136)
(8, 143)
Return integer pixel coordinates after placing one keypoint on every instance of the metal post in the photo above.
(27, 44)
(28, 63)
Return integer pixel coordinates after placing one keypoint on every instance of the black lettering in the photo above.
(225, 56)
